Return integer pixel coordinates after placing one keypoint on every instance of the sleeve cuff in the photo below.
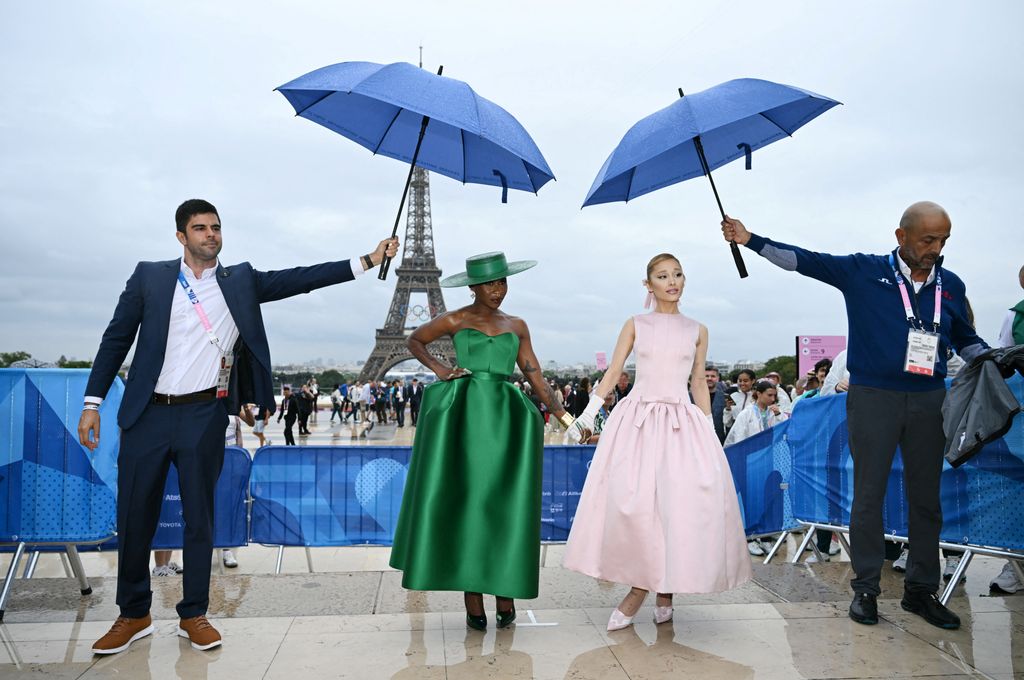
(356, 264)
(756, 243)
(94, 400)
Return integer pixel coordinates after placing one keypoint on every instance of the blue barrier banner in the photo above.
(564, 469)
(230, 528)
(762, 468)
(981, 500)
(51, 488)
(327, 496)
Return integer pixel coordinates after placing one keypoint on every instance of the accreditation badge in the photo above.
(922, 352)
(224, 374)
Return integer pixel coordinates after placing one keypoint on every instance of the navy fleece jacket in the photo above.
(877, 344)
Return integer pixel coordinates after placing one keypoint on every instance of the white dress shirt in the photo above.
(191, 361)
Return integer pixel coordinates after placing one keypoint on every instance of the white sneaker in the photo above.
(900, 563)
(171, 569)
(952, 562)
(834, 548)
(228, 558)
(814, 558)
(754, 548)
(1007, 581)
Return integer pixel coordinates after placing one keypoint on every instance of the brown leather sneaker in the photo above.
(200, 632)
(124, 632)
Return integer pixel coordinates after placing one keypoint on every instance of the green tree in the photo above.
(64, 362)
(8, 358)
(784, 365)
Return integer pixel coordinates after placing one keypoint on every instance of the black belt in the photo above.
(191, 398)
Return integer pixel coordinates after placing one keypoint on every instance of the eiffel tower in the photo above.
(418, 273)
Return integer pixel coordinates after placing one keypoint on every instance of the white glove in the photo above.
(586, 419)
(572, 435)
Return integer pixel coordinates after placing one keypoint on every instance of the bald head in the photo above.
(922, 234)
(922, 212)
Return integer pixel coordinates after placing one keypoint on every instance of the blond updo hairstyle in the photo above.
(658, 259)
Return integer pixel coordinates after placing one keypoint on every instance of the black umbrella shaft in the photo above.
(741, 267)
(385, 265)
(707, 172)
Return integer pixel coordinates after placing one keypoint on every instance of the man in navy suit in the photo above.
(202, 351)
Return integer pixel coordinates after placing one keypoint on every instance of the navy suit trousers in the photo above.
(191, 436)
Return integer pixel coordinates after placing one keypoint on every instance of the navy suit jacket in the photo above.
(144, 308)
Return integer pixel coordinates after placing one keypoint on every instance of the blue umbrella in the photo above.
(423, 119)
(701, 132)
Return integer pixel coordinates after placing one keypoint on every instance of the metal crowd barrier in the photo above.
(53, 494)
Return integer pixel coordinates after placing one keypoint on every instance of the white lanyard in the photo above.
(907, 307)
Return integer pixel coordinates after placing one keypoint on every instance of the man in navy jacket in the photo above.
(906, 314)
(201, 352)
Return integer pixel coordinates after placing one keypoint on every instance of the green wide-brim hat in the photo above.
(486, 267)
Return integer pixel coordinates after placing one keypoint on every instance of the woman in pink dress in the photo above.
(658, 510)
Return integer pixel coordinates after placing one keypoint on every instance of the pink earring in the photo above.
(649, 301)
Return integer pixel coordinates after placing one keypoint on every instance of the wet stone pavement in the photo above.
(351, 618)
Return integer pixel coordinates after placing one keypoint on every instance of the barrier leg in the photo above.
(64, 563)
(965, 561)
(817, 553)
(30, 566)
(775, 548)
(11, 573)
(76, 566)
(280, 558)
(309, 560)
(843, 541)
(808, 535)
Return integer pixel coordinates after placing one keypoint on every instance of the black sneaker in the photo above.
(864, 609)
(928, 607)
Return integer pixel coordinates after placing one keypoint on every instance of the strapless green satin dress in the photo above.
(470, 517)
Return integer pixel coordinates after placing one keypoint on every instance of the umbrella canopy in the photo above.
(382, 108)
(730, 121)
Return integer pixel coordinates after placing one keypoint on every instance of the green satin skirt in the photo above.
(470, 517)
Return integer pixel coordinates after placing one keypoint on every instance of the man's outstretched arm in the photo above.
(831, 269)
(277, 285)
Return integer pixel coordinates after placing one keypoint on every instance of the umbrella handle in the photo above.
(738, 259)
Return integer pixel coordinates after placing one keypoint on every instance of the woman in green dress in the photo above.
(470, 517)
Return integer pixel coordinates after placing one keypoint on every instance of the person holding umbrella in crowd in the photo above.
(906, 313)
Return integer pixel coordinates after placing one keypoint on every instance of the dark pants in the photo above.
(400, 413)
(414, 411)
(192, 437)
(304, 422)
(289, 438)
(878, 421)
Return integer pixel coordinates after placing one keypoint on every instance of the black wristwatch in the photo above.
(368, 262)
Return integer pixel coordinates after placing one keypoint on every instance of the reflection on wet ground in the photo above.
(352, 619)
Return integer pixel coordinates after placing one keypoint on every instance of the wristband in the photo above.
(567, 420)
(368, 262)
(90, 407)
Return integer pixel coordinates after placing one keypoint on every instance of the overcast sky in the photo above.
(114, 112)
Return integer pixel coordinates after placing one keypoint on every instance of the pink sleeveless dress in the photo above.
(659, 509)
